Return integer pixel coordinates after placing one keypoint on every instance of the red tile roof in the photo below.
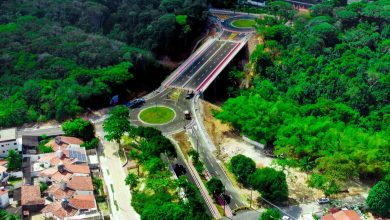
(31, 195)
(342, 215)
(83, 183)
(65, 142)
(76, 168)
(3, 191)
(57, 210)
(83, 201)
(59, 193)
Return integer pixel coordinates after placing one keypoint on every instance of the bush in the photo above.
(271, 214)
(80, 128)
(43, 187)
(92, 144)
(215, 186)
(270, 183)
(378, 199)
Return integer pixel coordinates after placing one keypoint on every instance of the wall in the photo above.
(6, 146)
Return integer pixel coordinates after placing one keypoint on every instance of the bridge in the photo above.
(202, 67)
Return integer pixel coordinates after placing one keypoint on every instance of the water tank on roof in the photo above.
(65, 203)
(61, 167)
(63, 185)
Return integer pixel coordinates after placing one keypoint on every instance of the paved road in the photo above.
(114, 175)
(214, 168)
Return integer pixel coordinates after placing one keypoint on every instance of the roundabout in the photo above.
(157, 115)
(240, 23)
(243, 23)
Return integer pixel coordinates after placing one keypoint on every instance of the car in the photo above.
(187, 115)
(189, 95)
(323, 201)
(135, 103)
(285, 217)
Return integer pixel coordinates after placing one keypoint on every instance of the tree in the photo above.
(80, 128)
(117, 123)
(92, 144)
(242, 167)
(4, 215)
(270, 214)
(215, 186)
(131, 180)
(378, 199)
(270, 183)
(43, 187)
(14, 160)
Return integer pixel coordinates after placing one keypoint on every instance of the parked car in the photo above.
(323, 201)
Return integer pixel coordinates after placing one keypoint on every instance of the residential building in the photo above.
(31, 199)
(342, 215)
(4, 198)
(4, 175)
(8, 141)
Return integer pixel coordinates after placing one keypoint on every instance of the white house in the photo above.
(8, 141)
(4, 199)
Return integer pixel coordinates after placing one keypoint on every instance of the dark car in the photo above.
(323, 201)
(135, 103)
(189, 95)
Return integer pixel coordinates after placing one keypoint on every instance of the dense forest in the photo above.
(320, 95)
(60, 57)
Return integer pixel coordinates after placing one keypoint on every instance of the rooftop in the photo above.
(83, 183)
(59, 193)
(31, 195)
(83, 201)
(59, 211)
(8, 134)
(342, 215)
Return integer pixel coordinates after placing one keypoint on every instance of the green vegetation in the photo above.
(270, 214)
(157, 115)
(215, 186)
(378, 199)
(242, 167)
(319, 96)
(131, 180)
(244, 23)
(58, 58)
(199, 166)
(116, 124)
(160, 199)
(14, 160)
(80, 128)
(270, 183)
(42, 148)
(43, 186)
(4, 215)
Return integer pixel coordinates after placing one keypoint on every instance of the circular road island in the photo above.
(157, 115)
(243, 23)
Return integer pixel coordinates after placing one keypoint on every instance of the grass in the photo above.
(157, 115)
(244, 23)
(15, 181)
(103, 207)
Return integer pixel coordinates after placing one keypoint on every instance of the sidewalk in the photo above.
(114, 177)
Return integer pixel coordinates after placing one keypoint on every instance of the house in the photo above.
(30, 144)
(4, 198)
(342, 215)
(77, 207)
(4, 175)
(8, 141)
(31, 199)
(62, 142)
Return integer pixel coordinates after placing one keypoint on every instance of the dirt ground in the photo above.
(231, 143)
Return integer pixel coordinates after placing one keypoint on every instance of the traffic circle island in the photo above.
(157, 115)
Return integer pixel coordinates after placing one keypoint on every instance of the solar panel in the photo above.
(79, 156)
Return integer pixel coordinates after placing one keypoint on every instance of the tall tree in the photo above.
(14, 160)
(116, 124)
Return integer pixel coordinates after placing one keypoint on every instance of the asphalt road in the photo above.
(196, 64)
(209, 67)
(215, 169)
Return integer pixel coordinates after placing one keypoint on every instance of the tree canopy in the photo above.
(378, 199)
(14, 160)
(271, 214)
(319, 95)
(79, 127)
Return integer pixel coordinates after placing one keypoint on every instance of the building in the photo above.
(8, 141)
(30, 144)
(342, 215)
(4, 175)
(31, 199)
(63, 142)
(4, 198)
